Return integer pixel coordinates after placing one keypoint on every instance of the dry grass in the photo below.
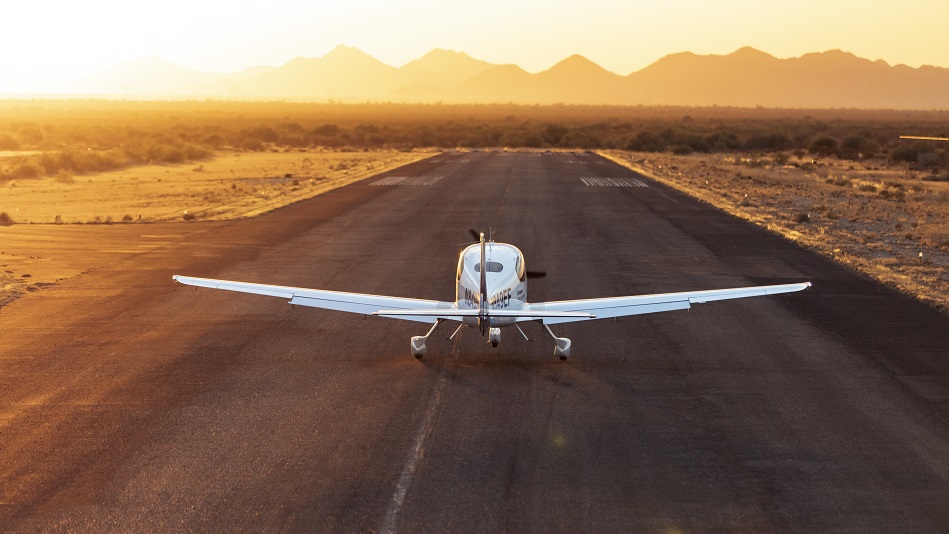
(232, 185)
(882, 220)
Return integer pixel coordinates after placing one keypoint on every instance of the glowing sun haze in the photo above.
(50, 42)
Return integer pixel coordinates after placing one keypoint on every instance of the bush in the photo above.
(823, 146)
(802, 217)
(5, 219)
(857, 147)
(26, 170)
(65, 177)
(898, 195)
(8, 142)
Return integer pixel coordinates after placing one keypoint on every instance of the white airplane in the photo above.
(491, 293)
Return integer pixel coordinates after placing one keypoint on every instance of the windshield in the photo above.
(493, 267)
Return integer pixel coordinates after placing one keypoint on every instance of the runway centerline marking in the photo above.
(595, 181)
(391, 518)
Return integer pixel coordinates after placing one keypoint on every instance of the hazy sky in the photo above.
(48, 41)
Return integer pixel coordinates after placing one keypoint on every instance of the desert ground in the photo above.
(231, 185)
(65, 227)
(883, 220)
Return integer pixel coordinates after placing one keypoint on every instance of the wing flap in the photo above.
(361, 303)
(520, 315)
(661, 302)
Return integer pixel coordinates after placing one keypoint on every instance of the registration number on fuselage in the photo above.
(501, 299)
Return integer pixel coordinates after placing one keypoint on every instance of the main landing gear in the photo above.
(418, 342)
(419, 348)
(561, 344)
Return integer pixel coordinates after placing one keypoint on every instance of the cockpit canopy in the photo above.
(500, 258)
(492, 266)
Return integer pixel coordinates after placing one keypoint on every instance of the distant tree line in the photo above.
(90, 136)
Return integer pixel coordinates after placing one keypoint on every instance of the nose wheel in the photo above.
(494, 336)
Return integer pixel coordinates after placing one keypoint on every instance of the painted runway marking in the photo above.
(390, 520)
(407, 180)
(593, 181)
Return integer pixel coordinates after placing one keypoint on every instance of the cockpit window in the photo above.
(493, 267)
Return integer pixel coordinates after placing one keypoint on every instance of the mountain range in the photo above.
(744, 78)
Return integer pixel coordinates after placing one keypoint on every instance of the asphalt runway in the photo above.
(130, 403)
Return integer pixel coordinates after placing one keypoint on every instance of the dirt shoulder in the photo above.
(52, 238)
(232, 185)
(883, 221)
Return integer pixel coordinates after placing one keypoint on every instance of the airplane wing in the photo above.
(635, 305)
(336, 300)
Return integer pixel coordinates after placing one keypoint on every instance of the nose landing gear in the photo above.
(494, 336)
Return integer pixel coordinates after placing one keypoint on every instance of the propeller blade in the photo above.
(536, 274)
(475, 234)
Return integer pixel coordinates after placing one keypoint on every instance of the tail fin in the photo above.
(484, 288)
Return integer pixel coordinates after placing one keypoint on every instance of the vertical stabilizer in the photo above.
(483, 316)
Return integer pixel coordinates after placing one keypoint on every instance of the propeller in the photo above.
(530, 274)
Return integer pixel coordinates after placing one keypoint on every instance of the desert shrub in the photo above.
(253, 145)
(898, 195)
(802, 217)
(858, 147)
(213, 140)
(261, 133)
(127, 218)
(77, 161)
(188, 216)
(326, 130)
(8, 142)
(823, 146)
(64, 176)
(840, 181)
(868, 188)
(723, 141)
(770, 142)
(26, 170)
(575, 139)
(31, 134)
(5, 219)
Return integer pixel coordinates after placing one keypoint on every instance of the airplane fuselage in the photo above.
(505, 283)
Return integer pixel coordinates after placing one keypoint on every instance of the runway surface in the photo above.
(130, 403)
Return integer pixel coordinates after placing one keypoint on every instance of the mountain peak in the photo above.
(442, 53)
(576, 65)
(749, 52)
(745, 77)
(347, 53)
(442, 68)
